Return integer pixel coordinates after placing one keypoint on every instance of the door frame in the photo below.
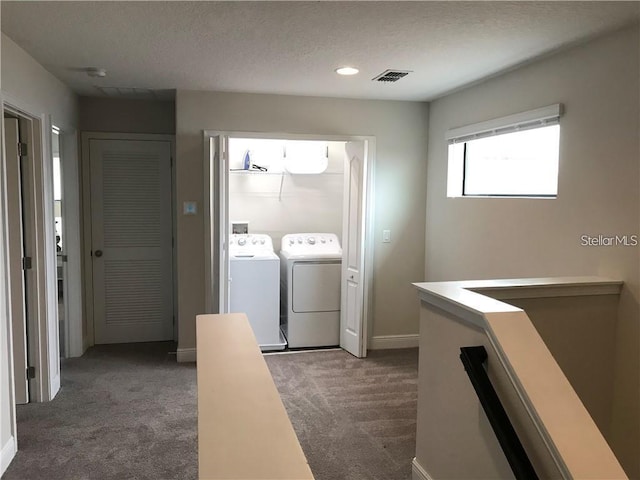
(85, 169)
(212, 205)
(6, 335)
(42, 321)
(72, 268)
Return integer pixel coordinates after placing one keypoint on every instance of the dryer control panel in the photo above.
(311, 244)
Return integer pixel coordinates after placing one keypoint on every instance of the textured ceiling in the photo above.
(294, 47)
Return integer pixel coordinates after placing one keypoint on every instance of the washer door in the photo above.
(316, 287)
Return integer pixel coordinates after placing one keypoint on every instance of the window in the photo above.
(516, 156)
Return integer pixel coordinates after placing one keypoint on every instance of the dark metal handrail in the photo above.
(473, 359)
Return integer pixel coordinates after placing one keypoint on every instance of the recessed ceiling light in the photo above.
(347, 70)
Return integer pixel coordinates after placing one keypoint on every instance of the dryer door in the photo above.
(316, 287)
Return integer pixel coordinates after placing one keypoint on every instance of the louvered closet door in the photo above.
(131, 240)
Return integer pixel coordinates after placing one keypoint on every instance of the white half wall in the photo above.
(598, 193)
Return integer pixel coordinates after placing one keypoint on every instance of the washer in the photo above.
(254, 270)
(310, 273)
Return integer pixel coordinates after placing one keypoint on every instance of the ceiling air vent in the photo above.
(391, 75)
(127, 92)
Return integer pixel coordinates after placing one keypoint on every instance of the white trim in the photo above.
(418, 472)
(7, 453)
(369, 225)
(6, 336)
(385, 342)
(42, 283)
(48, 282)
(72, 269)
(540, 116)
(184, 355)
(292, 352)
(210, 277)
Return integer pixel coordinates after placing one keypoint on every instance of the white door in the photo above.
(352, 314)
(131, 240)
(16, 253)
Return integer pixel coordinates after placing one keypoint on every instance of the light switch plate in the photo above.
(386, 236)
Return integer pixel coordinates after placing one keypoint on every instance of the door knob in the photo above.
(98, 253)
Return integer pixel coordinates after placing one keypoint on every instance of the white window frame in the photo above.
(456, 138)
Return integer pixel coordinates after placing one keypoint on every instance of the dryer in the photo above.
(310, 273)
(254, 270)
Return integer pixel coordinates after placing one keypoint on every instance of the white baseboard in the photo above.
(417, 472)
(384, 342)
(7, 453)
(186, 355)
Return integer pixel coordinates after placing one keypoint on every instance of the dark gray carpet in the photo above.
(124, 412)
(355, 419)
(129, 412)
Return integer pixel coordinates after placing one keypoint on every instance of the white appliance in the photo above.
(254, 270)
(310, 272)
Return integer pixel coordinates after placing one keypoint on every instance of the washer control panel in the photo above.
(311, 243)
(248, 244)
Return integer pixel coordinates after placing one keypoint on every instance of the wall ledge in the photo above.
(471, 299)
(564, 425)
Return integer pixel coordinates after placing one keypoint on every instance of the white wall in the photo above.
(7, 410)
(399, 128)
(598, 193)
(277, 204)
(27, 82)
(27, 85)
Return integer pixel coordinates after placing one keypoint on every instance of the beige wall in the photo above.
(580, 333)
(7, 415)
(399, 128)
(598, 193)
(26, 84)
(26, 81)
(127, 116)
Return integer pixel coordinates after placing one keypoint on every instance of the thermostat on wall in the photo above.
(190, 208)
